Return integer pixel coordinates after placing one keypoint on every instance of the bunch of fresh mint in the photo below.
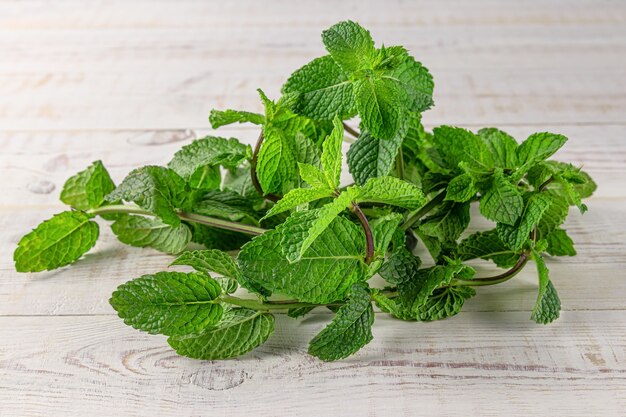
(304, 240)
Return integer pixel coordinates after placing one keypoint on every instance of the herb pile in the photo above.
(305, 241)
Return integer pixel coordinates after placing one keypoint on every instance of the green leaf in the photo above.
(503, 147)
(313, 176)
(213, 238)
(383, 229)
(150, 232)
(455, 146)
(555, 215)
(156, 189)
(416, 82)
(369, 157)
(56, 242)
(350, 45)
(392, 191)
(447, 224)
(350, 329)
(502, 202)
(331, 154)
(538, 147)
(515, 236)
(548, 305)
(240, 181)
(326, 271)
(302, 235)
(378, 103)
(169, 303)
(239, 331)
(444, 303)
(219, 118)
(87, 189)
(192, 160)
(560, 244)
(461, 188)
(297, 197)
(322, 90)
(401, 266)
(211, 260)
(486, 245)
(226, 205)
(276, 165)
(416, 292)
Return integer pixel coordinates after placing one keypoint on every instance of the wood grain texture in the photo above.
(130, 82)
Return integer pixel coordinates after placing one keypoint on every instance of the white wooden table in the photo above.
(129, 82)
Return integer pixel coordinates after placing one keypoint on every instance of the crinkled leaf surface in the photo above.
(169, 303)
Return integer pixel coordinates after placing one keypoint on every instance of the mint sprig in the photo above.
(305, 240)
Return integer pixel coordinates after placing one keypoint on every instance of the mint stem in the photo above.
(413, 218)
(191, 217)
(497, 279)
(369, 237)
(351, 130)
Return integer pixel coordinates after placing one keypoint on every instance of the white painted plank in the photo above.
(164, 67)
(474, 364)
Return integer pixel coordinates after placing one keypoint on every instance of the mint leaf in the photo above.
(156, 189)
(226, 205)
(416, 82)
(322, 90)
(548, 305)
(515, 236)
(169, 303)
(239, 331)
(297, 197)
(56, 242)
(304, 232)
(560, 244)
(314, 176)
(276, 162)
(350, 330)
(461, 189)
(87, 189)
(331, 154)
(209, 261)
(219, 118)
(392, 191)
(415, 292)
(503, 147)
(213, 238)
(369, 157)
(538, 147)
(350, 45)
(325, 272)
(401, 266)
(378, 103)
(486, 245)
(146, 232)
(445, 302)
(240, 181)
(502, 202)
(383, 230)
(447, 224)
(202, 157)
(555, 214)
(455, 146)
